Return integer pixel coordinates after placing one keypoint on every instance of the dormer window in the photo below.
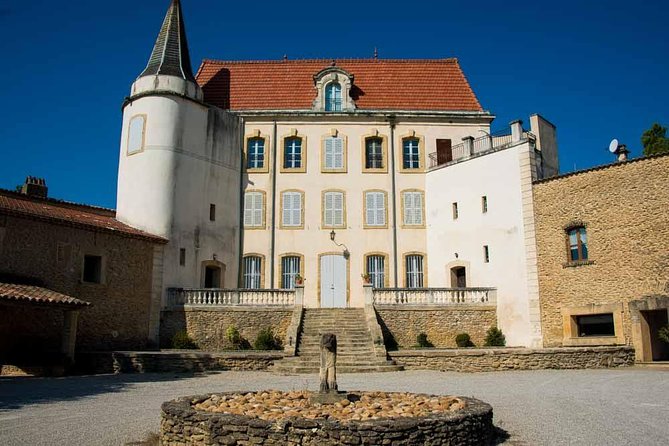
(333, 97)
(333, 90)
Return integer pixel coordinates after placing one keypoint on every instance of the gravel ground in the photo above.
(549, 407)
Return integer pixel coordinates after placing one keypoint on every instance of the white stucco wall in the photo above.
(498, 177)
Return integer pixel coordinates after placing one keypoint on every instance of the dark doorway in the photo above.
(444, 151)
(459, 277)
(651, 323)
(212, 277)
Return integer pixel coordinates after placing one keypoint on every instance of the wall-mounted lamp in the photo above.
(346, 252)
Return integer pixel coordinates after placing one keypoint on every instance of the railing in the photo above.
(434, 296)
(221, 297)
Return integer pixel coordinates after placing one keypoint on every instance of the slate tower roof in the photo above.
(170, 53)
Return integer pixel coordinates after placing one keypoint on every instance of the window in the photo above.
(375, 208)
(290, 267)
(255, 153)
(578, 244)
(595, 325)
(374, 153)
(376, 268)
(412, 203)
(291, 209)
(182, 257)
(252, 272)
(334, 154)
(414, 271)
(486, 254)
(411, 153)
(136, 130)
(455, 211)
(333, 97)
(254, 210)
(333, 210)
(212, 212)
(484, 204)
(92, 269)
(292, 153)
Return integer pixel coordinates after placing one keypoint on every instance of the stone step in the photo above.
(340, 370)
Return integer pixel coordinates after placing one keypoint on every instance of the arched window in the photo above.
(333, 97)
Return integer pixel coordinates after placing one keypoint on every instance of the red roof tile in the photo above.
(35, 294)
(379, 84)
(71, 214)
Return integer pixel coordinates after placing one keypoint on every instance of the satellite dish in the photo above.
(613, 146)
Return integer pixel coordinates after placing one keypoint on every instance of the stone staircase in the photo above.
(356, 352)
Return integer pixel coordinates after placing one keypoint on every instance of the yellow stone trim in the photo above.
(343, 225)
(334, 133)
(404, 267)
(262, 268)
(281, 225)
(421, 153)
(570, 328)
(264, 210)
(384, 152)
(386, 264)
(257, 134)
(402, 224)
(364, 209)
(278, 273)
(293, 134)
(127, 143)
(348, 275)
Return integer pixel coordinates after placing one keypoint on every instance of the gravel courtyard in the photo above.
(549, 407)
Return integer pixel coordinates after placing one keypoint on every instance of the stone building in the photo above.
(603, 256)
(64, 265)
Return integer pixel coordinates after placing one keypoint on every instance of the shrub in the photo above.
(235, 339)
(182, 341)
(422, 341)
(495, 338)
(463, 340)
(266, 340)
(663, 333)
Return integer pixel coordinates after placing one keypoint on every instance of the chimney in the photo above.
(622, 152)
(35, 187)
(516, 130)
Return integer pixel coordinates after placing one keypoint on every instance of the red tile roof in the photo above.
(70, 214)
(379, 84)
(34, 294)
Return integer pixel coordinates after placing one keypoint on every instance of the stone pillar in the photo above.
(69, 337)
(468, 142)
(299, 295)
(368, 292)
(516, 130)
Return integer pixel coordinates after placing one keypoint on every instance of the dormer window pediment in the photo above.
(333, 90)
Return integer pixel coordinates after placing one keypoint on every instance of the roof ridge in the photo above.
(329, 60)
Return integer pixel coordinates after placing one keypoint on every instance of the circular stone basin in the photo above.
(274, 417)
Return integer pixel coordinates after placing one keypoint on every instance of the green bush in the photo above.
(495, 338)
(235, 339)
(663, 333)
(422, 341)
(463, 340)
(266, 340)
(182, 341)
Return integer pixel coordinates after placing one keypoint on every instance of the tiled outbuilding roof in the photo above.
(379, 84)
(69, 214)
(33, 294)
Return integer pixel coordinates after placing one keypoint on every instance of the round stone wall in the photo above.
(183, 425)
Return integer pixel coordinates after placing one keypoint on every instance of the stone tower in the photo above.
(179, 167)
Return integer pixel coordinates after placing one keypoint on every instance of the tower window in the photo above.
(333, 97)
(484, 204)
(455, 211)
(212, 212)
(182, 257)
(486, 254)
(92, 269)
(136, 130)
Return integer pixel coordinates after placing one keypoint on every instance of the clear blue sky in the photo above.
(596, 69)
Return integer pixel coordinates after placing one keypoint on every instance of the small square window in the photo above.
(484, 204)
(182, 257)
(212, 212)
(92, 269)
(455, 211)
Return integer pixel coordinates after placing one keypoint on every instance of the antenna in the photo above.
(620, 150)
(613, 146)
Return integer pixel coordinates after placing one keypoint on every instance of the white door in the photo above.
(333, 281)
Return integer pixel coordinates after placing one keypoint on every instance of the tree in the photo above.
(655, 140)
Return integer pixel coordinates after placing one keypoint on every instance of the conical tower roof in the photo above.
(170, 54)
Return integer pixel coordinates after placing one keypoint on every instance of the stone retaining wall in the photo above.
(182, 425)
(491, 360)
(402, 324)
(207, 325)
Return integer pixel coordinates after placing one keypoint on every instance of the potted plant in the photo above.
(366, 278)
(299, 280)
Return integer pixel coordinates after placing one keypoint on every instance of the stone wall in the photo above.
(401, 325)
(624, 210)
(207, 326)
(182, 425)
(493, 360)
(51, 255)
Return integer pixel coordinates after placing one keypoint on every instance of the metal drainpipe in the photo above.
(241, 205)
(271, 249)
(391, 121)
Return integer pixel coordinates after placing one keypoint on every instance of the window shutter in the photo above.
(338, 153)
(408, 207)
(329, 153)
(248, 209)
(370, 207)
(257, 209)
(380, 208)
(338, 206)
(297, 209)
(329, 209)
(418, 208)
(287, 208)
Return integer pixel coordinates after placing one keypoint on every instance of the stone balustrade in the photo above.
(434, 296)
(229, 297)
